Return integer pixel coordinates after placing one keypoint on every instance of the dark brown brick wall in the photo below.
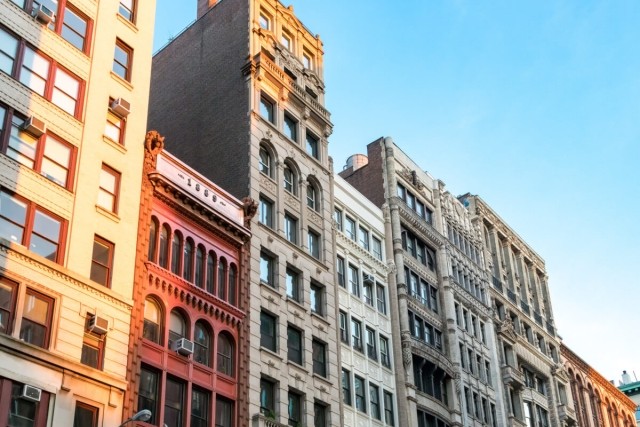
(199, 99)
(369, 179)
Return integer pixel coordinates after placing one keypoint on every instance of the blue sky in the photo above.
(534, 106)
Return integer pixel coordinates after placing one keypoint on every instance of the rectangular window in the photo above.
(267, 269)
(122, 60)
(23, 412)
(337, 217)
(290, 127)
(266, 212)
(224, 412)
(114, 128)
(389, 418)
(267, 109)
(320, 411)
(295, 408)
(292, 279)
(354, 280)
(264, 21)
(319, 350)
(346, 387)
(92, 349)
(102, 261)
(267, 397)
(377, 247)
(291, 228)
(356, 334)
(350, 228)
(344, 331)
(8, 295)
(314, 244)
(37, 311)
(364, 238)
(381, 299)
(385, 355)
(312, 145)
(359, 389)
(128, 9)
(85, 415)
(294, 345)
(109, 189)
(367, 290)
(340, 269)
(268, 331)
(148, 392)
(317, 299)
(174, 394)
(372, 351)
(74, 27)
(374, 401)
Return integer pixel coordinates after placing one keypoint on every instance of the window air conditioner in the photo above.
(121, 107)
(44, 14)
(31, 393)
(34, 126)
(183, 346)
(98, 325)
(368, 278)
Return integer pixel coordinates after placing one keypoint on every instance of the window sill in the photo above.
(112, 216)
(297, 367)
(114, 144)
(296, 303)
(270, 352)
(128, 23)
(122, 81)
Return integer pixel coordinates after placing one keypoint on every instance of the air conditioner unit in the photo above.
(34, 126)
(183, 346)
(31, 393)
(368, 278)
(44, 14)
(98, 325)
(121, 107)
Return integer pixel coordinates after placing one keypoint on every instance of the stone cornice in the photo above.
(354, 248)
(469, 300)
(418, 224)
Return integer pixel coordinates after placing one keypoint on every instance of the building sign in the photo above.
(198, 189)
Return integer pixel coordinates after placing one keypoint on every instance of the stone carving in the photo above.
(250, 208)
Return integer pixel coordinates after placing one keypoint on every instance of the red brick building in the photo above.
(188, 343)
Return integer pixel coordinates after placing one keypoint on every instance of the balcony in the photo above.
(537, 317)
(511, 295)
(260, 420)
(551, 329)
(567, 415)
(497, 283)
(513, 376)
(525, 308)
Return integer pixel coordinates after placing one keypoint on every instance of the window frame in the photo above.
(268, 389)
(266, 211)
(317, 298)
(225, 362)
(94, 411)
(290, 126)
(314, 243)
(47, 325)
(347, 397)
(359, 389)
(267, 108)
(95, 342)
(127, 67)
(291, 228)
(293, 284)
(312, 144)
(270, 341)
(108, 266)
(295, 350)
(319, 357)
(114, 193)
(113, 121)
(132, 11)
(202, 348)
(268, 262)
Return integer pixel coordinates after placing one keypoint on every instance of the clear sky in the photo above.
(534, 106)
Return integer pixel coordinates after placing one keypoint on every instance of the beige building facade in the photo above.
(73, 102)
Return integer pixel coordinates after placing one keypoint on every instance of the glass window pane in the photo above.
(35, 71)
(46, 226)
(8, 48)
(22, 145)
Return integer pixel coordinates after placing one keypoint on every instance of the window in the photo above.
(316, 299)
(199, 270)
(307, 60)
(341, 271)
(74, 28)
(344, 331)
(356, 334)
(152, 321)
(122, 59)
(374, 401)
(177, 327)
(17, 411)
(372, 351)
(267, 269)
(358, 387)
(27, 224)
(292, 279)
(312, 198)
(102, 261)
(7, 304)
(377, 248)
(384, 352)
(226, 355)
(264, 21)
(233, 274)
(337, 217)
(364, 238)
(128, 9)
(222, 275)
(286, 41)
(290, 127)
(210, 269)
(224, 412)
(314, 244)
(291, 228)
(109, 189)
(265, 162)
(267, 397)
(202, 343)
(346, 387)
(174, 402)
(290, 183)
(114, 128)
(389, 418)
(36, 318)
(319, 353)
(163, 247)
(295, 408)
(200, 407)
(266, 212)
(350, 228)
(312, 145)
(187, 260)
(367, 290)
(354, 280)
(319, 414)
(92, 349)
(268, 337)
(267, 109)
(294, 345)
(148, 392)
(381, 299)
(49, 155)
(176, 250)
(85, 415)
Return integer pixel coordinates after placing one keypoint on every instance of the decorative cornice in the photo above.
(418, 224)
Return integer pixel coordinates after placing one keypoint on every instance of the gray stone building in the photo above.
(241, 89)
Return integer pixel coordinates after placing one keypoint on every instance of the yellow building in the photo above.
(73, 110)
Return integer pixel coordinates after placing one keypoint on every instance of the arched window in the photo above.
(200, 273)
(222, 275)
(211, 269)
(312, 197)
(266, 164)
(202, 343)
(187, 260)
(290, 180)
(225, 354)
(151, 329)
(233, 274)
(153, 231)
(176, 251)
(177, 326)
(163, 256)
